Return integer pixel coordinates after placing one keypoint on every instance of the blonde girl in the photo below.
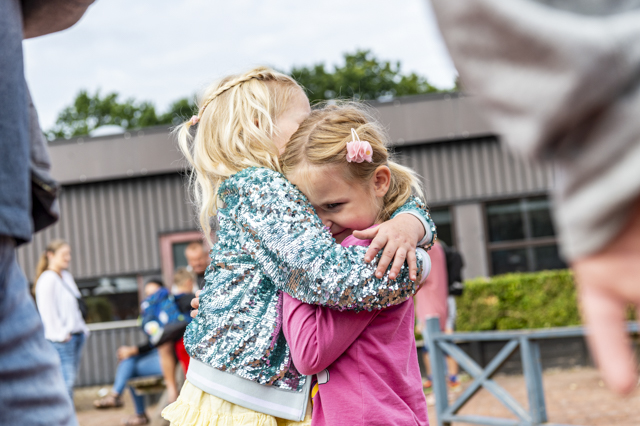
(270, 241)
(366, 363)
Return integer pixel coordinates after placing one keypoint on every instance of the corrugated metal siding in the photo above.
(99, 360)
(456, 171)
(113, 227)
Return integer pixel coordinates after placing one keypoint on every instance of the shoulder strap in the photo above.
(66, 286)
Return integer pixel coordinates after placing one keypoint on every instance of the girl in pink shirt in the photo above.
(366, 363)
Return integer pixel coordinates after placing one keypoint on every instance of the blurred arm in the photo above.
(40, 17)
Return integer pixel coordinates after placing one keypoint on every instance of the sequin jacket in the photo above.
(270, 240)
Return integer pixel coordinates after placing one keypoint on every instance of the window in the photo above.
(444, 227)
(111, 298)
(521, 236)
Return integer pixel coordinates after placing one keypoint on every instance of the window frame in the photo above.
(529, 243)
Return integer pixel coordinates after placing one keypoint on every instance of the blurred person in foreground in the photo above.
(32, 390)
(58, 301)
(559, 81)
(198, 260)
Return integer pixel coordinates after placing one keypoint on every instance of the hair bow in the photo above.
(357, 150)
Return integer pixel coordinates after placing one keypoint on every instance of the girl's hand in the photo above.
(399, 238)
(195, 304)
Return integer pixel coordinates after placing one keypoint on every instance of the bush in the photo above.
(517, 301)
(100, 309)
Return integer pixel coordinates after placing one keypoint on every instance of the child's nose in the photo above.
(327, 223)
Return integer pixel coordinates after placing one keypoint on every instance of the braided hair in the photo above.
(236, 125)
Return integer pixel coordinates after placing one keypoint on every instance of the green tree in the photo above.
(88, 112)
(362, 76)
(179, 111)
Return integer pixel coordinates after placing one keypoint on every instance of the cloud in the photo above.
(161, 50)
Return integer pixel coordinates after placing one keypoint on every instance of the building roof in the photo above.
(410, 120)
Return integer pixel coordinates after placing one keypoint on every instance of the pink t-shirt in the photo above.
(431, 300)
(366, 363)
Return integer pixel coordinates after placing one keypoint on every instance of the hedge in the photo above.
(516, 301)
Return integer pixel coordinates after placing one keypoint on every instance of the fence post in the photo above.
(438, 369)
(532, 369)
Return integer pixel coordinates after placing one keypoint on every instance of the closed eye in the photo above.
(333, 205)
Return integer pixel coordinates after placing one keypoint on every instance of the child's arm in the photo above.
(283, 233)
(394, 238)
(317, 336)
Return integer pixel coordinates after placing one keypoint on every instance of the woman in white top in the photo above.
(57, 298)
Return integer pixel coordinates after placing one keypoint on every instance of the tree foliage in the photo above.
(88, 112)
(362, 76)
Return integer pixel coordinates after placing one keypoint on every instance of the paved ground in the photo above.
(574, 397)
(89, 416)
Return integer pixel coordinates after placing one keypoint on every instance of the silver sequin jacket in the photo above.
(270, 240)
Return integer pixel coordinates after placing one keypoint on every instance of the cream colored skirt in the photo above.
(197, 408)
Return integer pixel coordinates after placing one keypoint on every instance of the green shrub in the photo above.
(100, 309)
(515, 301)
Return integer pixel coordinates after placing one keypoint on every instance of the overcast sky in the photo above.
(161, 50)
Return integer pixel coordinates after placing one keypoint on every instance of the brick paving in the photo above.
(574, 397)
(89, 416)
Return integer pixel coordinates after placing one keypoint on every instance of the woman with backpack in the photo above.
(60, 306)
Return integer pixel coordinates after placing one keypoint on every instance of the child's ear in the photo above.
(381, 181)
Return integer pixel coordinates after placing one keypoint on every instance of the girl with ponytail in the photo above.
(339, 160)
(270, 242)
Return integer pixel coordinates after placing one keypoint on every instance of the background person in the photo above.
(135, 361)
(558, 81)
(57, 297)
(184, 281)
(432, 301)
(198, 260)
(27, 358)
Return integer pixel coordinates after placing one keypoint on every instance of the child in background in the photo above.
(366, 363)
(184, 282)
(270, 241)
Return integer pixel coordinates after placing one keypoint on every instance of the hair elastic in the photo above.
(357, 150)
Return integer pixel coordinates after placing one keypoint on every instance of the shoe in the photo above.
(109, 401)
(454, 384)
(136, 420)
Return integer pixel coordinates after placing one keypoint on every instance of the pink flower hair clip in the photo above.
(194, 120)
(357, 150)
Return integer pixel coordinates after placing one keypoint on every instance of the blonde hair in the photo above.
(182, 275)
(43, 262)
(321, 140)
(236, 126)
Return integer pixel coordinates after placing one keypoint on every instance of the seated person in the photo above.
(150, 359)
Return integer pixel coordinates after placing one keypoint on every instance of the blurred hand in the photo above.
(195, 304)
(399, 238)
(125, 352)
(608, 282)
